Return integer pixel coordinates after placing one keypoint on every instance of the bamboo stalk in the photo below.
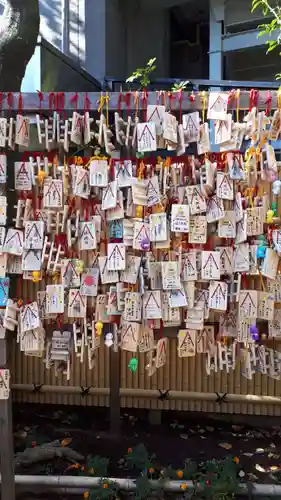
(154, 394)
(130, 484)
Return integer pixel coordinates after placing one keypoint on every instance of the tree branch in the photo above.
(46, 451)
(18, 37)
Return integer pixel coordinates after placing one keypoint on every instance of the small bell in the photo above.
(133, 365)
(276, 187)
(99, 328)
(254, 332)
(145, 245)
(41, 177)
(108, 340)
(36, 275)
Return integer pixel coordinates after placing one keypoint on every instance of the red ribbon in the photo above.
(128, 101)
(60, 101)
(244, 280)
(74, 100)
(41, 98)
(171, 99)
(231, 96)
(61, 239)
(161, 328)
(180, 104)
(254, 98)
(119, 105)
(87, 103)
(10, 99)
(52, 101)
(20, 103)
(268, 103)
(144, 104)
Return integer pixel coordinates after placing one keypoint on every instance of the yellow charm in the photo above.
(139, 212)
(269, 216)
(99, 328)
(41, 177)
(79, 267)
(36, 276)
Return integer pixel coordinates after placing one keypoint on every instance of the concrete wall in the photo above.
(120, 37)
(51, 26)
(107, 37)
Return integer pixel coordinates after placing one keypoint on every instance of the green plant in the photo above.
(178, 87)
(105, 491)
(139, 459)
(96, 466)
(211, 480)
(143, 488)
(271, 29)
(142, 75)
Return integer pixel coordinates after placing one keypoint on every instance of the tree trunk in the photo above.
(18, 37)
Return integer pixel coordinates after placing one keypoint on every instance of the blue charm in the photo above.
(261, 252)
(4, 291)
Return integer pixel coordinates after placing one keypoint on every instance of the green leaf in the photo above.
(97, 466)
(151, 61)
(256, 4)
(143, 488)
(131, 79)
(138, 458)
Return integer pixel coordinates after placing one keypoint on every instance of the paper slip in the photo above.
(152, 308)
(187, 343)
(210, 269)
(170, 275)
(180, 219)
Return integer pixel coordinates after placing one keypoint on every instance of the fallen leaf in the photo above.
(272, 445)
(202, 431)
(276, 456)
(237, 427)
(260, 450)
(241, 473)
(274, 468)
(259, 468)
(252, 477)
(20, 434)
(184, 436)
(226, 446)
(210, 429)
(248, 454)
(66, 441)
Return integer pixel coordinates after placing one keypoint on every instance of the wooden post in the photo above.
(114, 399)
(6, 423)
(6, 432)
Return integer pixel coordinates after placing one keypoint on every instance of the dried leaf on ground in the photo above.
(226, 446)
(259, 468)
(66, 441)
